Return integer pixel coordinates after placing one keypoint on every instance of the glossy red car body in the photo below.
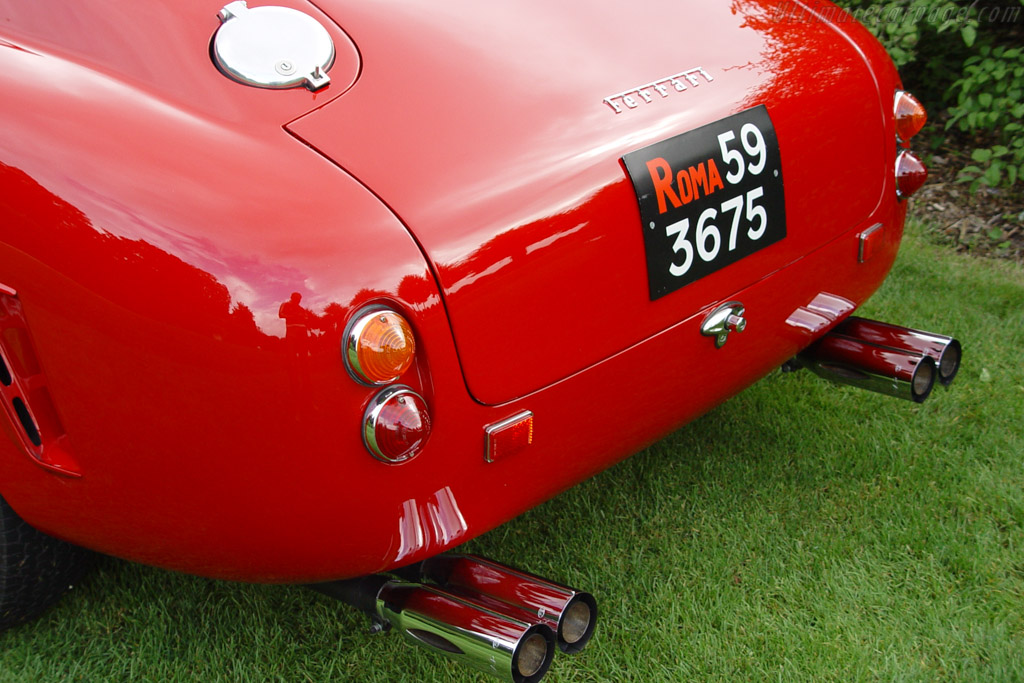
(463, 167)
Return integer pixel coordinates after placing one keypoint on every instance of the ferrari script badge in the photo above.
(645, 94)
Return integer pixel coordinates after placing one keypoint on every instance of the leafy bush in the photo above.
(904, 25)
(960, 57)
(990, 97)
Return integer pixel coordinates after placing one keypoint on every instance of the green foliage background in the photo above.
(964, 60)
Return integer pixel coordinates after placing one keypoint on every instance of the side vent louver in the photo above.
(25, 395)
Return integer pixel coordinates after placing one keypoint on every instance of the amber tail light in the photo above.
(910, 116)
(379, 346)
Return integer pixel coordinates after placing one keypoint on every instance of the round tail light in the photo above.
(910, 116)
(379, 346)
(911, 174)
(396, 424)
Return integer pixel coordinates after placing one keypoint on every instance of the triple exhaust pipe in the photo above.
(494, 618)
(888, 359)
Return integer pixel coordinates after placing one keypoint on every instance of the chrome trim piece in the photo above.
(899, 162)
(372, 415)
(272, 47)
(896, 113)
(723, 320)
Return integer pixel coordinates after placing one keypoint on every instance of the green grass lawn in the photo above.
(799, 532)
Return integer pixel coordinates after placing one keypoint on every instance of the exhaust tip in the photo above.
(923, 380)
(949, 363)
(577, 623)
(533, 655)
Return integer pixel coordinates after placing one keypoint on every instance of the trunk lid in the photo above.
(496, 132)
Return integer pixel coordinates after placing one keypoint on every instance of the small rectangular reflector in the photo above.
(870, 241)
(508, 437)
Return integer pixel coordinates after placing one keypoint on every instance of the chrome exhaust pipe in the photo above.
(945, 351)
(570, 613)
(894, 372)
(514, 651)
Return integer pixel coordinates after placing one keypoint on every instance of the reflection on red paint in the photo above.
(429, 527)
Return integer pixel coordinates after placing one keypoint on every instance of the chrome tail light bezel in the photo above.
(372, 416)
(351, 340)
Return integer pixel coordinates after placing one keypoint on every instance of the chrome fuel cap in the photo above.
(272, 47)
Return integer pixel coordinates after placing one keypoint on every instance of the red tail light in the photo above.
(396, 424)
(910, 116)
(911, 174)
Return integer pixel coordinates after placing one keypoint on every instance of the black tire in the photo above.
(35, 569)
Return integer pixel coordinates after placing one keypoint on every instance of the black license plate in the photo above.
(708, 198)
